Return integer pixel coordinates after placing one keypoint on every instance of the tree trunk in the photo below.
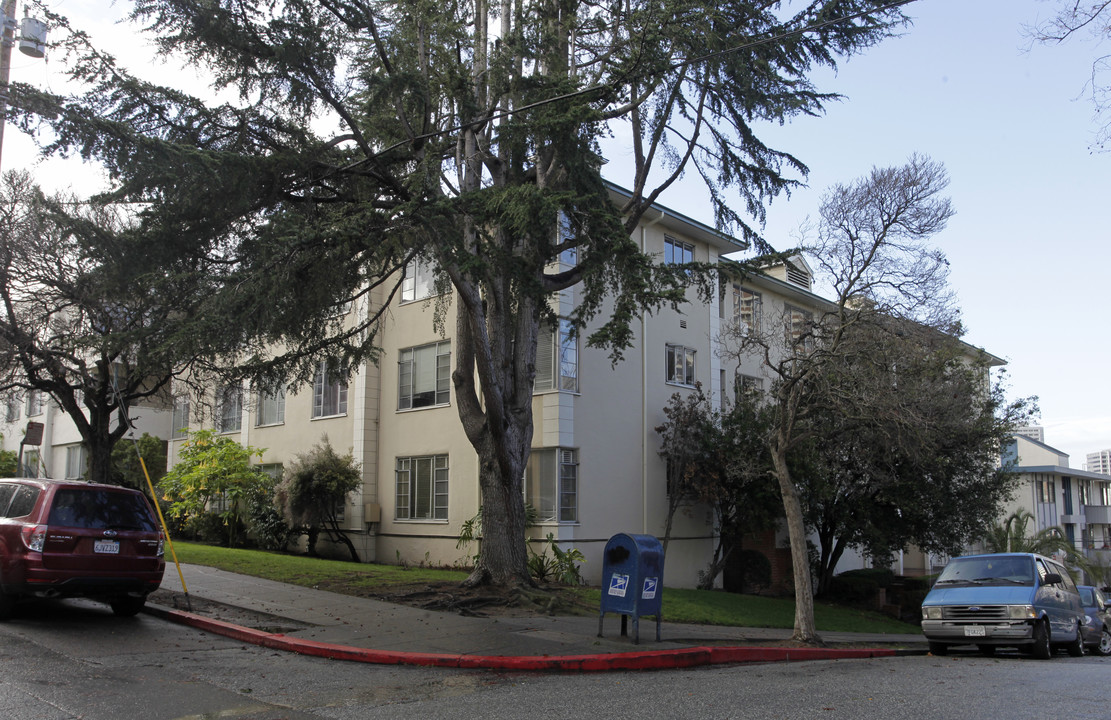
(805, 630)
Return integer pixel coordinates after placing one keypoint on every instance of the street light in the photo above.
(32, 42)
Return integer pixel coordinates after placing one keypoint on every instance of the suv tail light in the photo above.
(34, 536)
(161, 545)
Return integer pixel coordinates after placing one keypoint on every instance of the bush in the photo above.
(849, 589)
(269, 528)
(748, 571)
(882, 577)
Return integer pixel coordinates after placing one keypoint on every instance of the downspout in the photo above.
(644, 392)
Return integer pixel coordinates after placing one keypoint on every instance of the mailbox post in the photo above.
(632, 581)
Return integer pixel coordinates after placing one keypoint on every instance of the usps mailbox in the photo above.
(632, 581)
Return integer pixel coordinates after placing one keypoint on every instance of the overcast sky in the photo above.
(1029, 246)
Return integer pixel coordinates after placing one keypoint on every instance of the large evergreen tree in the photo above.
(360, 136)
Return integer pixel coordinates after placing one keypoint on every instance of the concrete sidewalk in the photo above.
(326, 624)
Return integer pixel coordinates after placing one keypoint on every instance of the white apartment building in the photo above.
(595, 469)
(61, 453)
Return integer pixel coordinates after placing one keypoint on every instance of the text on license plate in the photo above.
(111, 547)
(974, 631)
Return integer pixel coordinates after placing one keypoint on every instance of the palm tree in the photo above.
(1010, 536)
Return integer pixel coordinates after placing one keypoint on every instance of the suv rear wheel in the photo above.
(1104, 647)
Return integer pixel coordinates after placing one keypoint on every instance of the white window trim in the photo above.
(442, 354)
(320, 382)
(672, 349)
(562, 458)
(438, 501)
(550, 366)
(278, 398)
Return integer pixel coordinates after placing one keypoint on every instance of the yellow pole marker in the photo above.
(165, 530)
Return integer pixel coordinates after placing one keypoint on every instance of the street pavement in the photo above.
(343, 627)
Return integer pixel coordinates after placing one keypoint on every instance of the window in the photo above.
(746, 310)
(229, 409)
(799, 326)
(552, 484)
(271, 408)
(181, 417)
(34, 403)
(557, 370)
(1084, 492)
(11, 410)
(76, 462)
(677, 252)
(424, 376)
(329, 393)
(274, 471)
(419, 281)
(680, 365)
(1047, 492)
(748, 385)
(422, 488)
(566, 234)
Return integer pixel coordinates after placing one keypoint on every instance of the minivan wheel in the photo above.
(1041, 648)
(128, 605)
(939, 648)
(1104, 647)
(1076, 647)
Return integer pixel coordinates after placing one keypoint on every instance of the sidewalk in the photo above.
(343, 627)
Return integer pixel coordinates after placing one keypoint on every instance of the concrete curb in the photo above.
(639, 660)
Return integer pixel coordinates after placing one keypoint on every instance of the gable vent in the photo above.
(797, 276)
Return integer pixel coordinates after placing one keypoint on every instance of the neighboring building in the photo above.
(1077, 501)
(62, 453)
(1032, 431)
(1099, 462)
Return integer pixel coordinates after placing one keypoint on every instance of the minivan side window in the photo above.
(1066, 578)
(1042, 572)
(23, 502)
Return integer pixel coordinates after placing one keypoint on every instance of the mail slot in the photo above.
(632, 581)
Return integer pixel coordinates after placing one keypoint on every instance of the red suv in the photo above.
(76, 539)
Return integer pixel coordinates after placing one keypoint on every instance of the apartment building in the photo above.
(60, 452)
(595, 468)
(1099, 462)
(1077, 501)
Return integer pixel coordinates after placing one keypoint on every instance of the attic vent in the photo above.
(683, 324)
(798, 276)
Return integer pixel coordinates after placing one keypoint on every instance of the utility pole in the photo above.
(32, 42)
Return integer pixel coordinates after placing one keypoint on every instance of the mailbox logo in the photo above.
(619, 585)
(649, 591)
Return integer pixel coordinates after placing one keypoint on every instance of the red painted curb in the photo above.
(637, 660)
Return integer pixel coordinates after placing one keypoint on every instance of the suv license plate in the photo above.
(110, 547)
(975, 631)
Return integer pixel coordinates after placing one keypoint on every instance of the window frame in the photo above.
(411, 369)
(552, 485)
(79, 456)
(689, 367)
(229, 397)
(272, 403)
(418, 282)
(409, 493)
(336, 398)
(179, 418)
(557, 371)
(674, 246)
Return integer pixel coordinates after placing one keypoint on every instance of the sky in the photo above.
(1030, 244)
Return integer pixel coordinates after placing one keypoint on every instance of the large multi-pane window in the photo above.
(557, 358)
(34, 403)
(680, 365)
(422, 488)
(552, 484)
(271, 407)
(677, 252)
(181, 417)
(746, 310)
(424, 376)
(419, 282)
(799, 326)
(229, 408)
(76, 462)
(329, 392)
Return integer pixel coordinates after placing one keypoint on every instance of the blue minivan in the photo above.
(1004, 600)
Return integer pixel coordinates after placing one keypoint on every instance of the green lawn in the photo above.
(679, 605)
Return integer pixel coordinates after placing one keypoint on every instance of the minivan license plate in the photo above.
(975, 631)
(110, 547)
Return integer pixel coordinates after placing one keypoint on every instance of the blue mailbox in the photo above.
(632, 581)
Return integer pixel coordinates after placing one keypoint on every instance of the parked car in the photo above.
(76, 539)
(1010, 599)
(1097, 620)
